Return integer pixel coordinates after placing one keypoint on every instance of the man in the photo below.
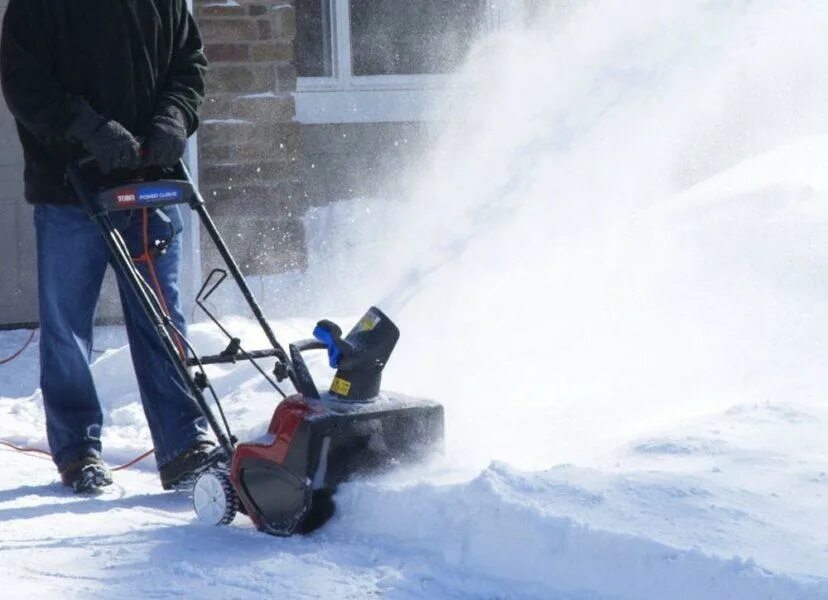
(94, 78)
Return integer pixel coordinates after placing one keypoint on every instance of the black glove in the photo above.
(108, 141)
(167, 138)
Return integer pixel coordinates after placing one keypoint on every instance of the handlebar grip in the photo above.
(88, 159)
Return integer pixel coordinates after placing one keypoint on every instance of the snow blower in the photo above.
(285, 480)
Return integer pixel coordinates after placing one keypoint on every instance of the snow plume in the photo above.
(559, 284)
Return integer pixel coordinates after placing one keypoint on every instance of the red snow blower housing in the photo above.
(284, 480)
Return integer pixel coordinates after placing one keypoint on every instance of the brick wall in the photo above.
(248, 140)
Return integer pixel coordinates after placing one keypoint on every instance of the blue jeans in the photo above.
(72, 257)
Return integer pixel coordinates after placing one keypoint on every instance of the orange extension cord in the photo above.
(38, 451)
(146, 258)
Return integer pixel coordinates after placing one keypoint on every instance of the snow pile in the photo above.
(506, 527)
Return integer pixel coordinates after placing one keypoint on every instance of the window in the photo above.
(314, 57)
(379, 60)
(393, 37)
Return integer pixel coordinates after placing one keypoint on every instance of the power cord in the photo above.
(38, 451)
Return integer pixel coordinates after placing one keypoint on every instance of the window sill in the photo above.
(380, 99)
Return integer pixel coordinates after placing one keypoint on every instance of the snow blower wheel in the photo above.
(214, 500)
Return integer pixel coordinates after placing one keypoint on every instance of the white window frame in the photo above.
(346, 98)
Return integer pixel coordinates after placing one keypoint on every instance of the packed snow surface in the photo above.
(611, 268)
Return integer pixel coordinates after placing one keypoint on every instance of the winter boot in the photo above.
(180, 472)
(86, 475)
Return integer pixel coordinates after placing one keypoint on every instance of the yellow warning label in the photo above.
(368, 322)
(340, 386)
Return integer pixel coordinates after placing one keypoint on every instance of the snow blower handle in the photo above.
(146, 187)
(329, 335)
(100, 196)
(88, 159)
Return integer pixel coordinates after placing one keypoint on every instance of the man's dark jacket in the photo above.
(129, 59)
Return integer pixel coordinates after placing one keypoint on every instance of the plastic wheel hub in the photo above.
(214, 500)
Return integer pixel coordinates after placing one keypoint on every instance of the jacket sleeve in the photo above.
(33, 95)
(183, 86)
